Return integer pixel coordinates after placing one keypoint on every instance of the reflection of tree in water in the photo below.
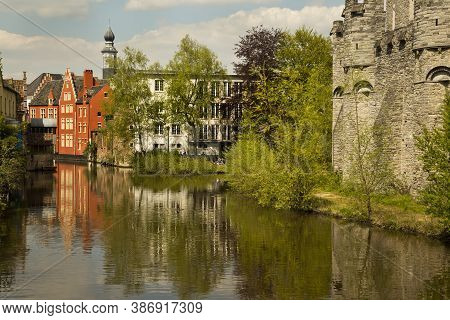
(375, 264)
(175, 233)
(280, 255)
(12, 248)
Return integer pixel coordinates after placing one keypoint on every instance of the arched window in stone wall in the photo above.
(338, 92)
(439, 74)
(363, 87)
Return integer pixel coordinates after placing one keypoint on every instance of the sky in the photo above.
(38, 36)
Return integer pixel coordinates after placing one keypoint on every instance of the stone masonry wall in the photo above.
(396, 78)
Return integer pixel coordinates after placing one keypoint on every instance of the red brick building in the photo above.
(70, 109)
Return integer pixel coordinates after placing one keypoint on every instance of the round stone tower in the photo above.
(432, 24)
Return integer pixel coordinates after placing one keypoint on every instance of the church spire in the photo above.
(109, 53)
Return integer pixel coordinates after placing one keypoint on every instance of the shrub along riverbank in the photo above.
(283, 157)
(172, 163)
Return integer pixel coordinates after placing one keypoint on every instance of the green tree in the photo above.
(434, 145)
(12, 162)
(132, 107)
(258, 64)
(294, 125)
(189, 73)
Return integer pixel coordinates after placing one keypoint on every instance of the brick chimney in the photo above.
(88, 79)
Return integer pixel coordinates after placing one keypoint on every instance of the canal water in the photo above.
(98, 233)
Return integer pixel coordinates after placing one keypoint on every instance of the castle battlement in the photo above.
(393, 58)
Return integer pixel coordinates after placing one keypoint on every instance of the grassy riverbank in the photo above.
(393, 212)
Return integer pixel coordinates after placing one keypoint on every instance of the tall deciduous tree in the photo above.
(258, 64)
(189, 73)
(132, 105)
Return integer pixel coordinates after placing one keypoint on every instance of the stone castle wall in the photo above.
(391, 68)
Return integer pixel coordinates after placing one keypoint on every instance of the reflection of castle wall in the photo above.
(374, 264)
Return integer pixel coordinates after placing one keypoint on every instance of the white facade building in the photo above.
(219, 123)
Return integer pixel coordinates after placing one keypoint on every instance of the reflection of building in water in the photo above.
(373, 264)
(177, 233)
(77, 203)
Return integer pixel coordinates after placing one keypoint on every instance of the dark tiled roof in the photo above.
(41, 99)
(90, 94)
(33, 86)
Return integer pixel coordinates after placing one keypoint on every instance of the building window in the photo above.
(50, 113)
(225, 111)
(43, 113)
(106, 94)
(215, 89)
(215, 109)
(79, 144)
(63, 124)
(50, 102)
(159, 85)
(227, 89)
(99, 114)
(226, 133)
(33, 113)
(63, 109)
(79, 127)
(159, 129)
(203, 132)
(215, 132)
(176, 129)
(204, 113)
(238, 88)
(55, 112)
(63, 141)
(99, 125)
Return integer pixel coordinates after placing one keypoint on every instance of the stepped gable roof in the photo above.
(33, 86)
(41, 99)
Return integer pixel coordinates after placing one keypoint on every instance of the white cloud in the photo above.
(44, 54)
(222, 34)
(51, 8)
(158, 4)
(38, 54)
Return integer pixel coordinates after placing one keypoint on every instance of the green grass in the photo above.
(394, 212)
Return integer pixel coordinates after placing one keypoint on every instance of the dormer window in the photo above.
(50, 101)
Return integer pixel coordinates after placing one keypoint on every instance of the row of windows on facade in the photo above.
(67, 124)
(228, 88)
(205, 132)
(223, 111)
(53, 112)
(67, 141)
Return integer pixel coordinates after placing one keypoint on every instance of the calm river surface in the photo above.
(97, 233)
